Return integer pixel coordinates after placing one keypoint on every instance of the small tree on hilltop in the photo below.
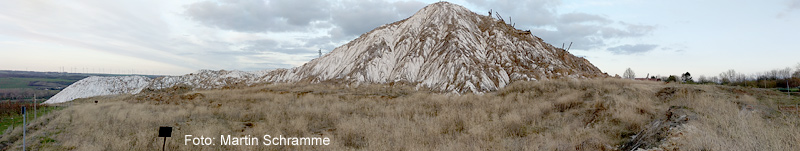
(629, 74)
(672, 78)
(687, 78)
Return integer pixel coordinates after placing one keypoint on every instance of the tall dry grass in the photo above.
(597, 114)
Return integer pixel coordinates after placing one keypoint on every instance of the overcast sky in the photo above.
(181, 36)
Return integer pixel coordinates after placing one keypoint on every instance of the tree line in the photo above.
(776, 78)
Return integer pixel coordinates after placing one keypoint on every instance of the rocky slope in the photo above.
(445, 47)
(210, 79)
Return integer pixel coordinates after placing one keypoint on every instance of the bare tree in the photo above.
(728, 76)
(629, 74)
(797, 71)
(773, 74)
(741, 78)
(708, 80)
(785, 73)
(715, 80)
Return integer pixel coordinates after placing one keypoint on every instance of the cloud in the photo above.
(341, 20)
(260, 45)
(152, 33)
(586, 31)
(101, 26)
(324, 42)
(346, 19)
(675, 48)
(632, 49)
(355, 17)
(259, 15)
(247, 34)
(532, 13)
(572, 18)
(352, 17)
(791, 5)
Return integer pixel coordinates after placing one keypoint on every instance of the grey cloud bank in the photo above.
(632, 49)
(350, 18)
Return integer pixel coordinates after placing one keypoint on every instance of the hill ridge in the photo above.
(444, 47)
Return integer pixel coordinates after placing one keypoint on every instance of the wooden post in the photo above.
(164, 144)
(570, 46)
(164, 132)
(35, 104)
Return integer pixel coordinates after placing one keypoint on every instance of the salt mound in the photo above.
(210, 79)
(97, 86)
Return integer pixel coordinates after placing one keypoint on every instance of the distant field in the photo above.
(24, 88)
(45, 80)
(790, 89)
(13, 82)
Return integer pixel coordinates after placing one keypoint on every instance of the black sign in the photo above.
(165, 132)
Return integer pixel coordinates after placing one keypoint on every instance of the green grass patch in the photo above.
(789, 89)
(15, 120)
(46, 140)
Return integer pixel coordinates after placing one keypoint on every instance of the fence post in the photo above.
(23, 127)
(35, 106)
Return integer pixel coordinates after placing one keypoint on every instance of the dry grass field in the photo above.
(595, 114)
